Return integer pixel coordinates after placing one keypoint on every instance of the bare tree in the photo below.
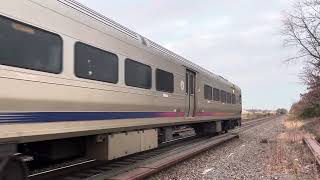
(302, 30)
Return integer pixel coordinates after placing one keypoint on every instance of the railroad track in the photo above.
(142, 164)
(247, 125)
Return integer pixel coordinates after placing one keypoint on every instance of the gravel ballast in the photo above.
(249, 157)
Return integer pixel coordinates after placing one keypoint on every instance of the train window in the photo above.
(223, 97)
(137, 74)
(164, 81)
(228, 98)
(216, 94)
(95, 64)
(233, 99)
(187, 83)
(28, 47)
(191, 79)
(207, 92)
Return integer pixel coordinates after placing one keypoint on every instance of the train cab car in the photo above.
(73, 79)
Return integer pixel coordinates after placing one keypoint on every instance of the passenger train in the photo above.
(75, 83)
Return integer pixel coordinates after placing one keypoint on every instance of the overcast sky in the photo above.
(236, 39)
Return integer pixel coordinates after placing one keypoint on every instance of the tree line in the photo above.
(301, 30)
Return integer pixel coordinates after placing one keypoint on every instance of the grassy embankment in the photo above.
(252, 116)
(310, 125)
(289, 155)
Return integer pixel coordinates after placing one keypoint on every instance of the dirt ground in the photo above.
(273, 150)
(289, 156)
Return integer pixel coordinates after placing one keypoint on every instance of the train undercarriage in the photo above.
(36, 155)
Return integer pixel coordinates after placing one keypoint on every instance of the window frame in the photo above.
(61, 44)
(192, 84)
(229, 98)
(204, 92)
(157, 88)
(233, 99)
(219, 94)
(222, 92)
(99, 49)
(125, 73)
(187, 84)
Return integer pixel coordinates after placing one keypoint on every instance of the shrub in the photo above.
(311, 111)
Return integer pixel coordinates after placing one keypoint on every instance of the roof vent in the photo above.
(171, 54)
(99, 17)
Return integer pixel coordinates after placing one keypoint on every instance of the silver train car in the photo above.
(75, 83)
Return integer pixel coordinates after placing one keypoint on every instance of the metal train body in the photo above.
(38, 106)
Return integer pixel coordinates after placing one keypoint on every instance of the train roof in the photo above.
(135, 37)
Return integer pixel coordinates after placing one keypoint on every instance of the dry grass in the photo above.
(289, 155)
(253, 116)
(313, 126)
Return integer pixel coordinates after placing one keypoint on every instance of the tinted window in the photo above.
(216, 94)
(95, 64)
(223, 97)
(191, 79)
(229, 98)
(28, 47)
(137, 74)
(164, 81)
(207, 92)
(233, 99)
(187, 83)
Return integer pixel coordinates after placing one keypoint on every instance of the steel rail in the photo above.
(105, 170)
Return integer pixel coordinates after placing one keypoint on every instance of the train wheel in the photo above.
(12, 168)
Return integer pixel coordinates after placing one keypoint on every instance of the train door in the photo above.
(190, 93)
